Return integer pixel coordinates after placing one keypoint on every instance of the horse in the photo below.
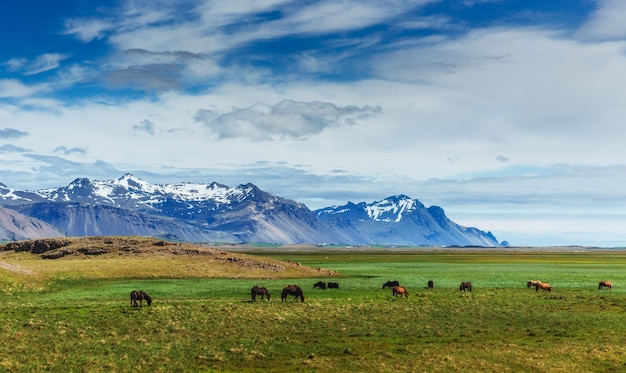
(320, 284)
(605, 284)
(431, 284)
(399, 290)
(543, 286)
(263, 292)
(465, 286)
(390, 284)
(532, 283)
(292, 290)
(333, 285)
(139, 296)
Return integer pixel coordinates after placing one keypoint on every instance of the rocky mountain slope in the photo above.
(197, 212)
(15, 226)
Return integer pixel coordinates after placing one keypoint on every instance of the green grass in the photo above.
(207, 324)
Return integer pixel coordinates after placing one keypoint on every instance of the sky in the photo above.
(509, 114)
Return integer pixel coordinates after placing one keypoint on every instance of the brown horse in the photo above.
(465, 285)
(263, 292)
(543, 286)
(532, 283)
(605, 284)
(139, 296)
(399, 290)
(294, 290)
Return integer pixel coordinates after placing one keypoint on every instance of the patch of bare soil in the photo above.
(16, 268)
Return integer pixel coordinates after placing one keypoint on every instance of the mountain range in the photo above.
(199, 212)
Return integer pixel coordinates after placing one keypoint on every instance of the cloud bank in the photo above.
(286, 120)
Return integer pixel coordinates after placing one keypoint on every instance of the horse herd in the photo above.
(396, 289)
(539, 285)
(293, 290)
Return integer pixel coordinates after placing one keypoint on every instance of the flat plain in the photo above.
(73, 314)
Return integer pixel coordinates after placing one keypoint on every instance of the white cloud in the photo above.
(8, 148)
(13, 88)
(12, 133)
(15, 64)
(145, 125)
(606, 22)
(285, 120)
(44, 62)
(68, 151)
(87, 30)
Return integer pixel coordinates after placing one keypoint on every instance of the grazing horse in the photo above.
(431, 284)
(399, 290)
(605, 284)
(320, 285)
(333, 285)
(292, 290)
(465, 286)
(139, 296)
(543, 286)
(532, 283)
(263, 292)
(390, 284)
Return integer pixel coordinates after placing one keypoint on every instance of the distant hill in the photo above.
(198, 212)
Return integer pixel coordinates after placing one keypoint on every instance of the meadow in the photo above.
(72, 317)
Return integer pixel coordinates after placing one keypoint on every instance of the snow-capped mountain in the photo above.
(199, 212)
(401, 220)
(127, 191)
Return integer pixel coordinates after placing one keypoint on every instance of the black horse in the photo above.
(320, 284)
(139, 296)
(333, 285)
(431, 284)
(465, 286)
(263, 292)
(391, 284)
(294, 290)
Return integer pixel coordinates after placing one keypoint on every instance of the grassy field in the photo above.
(71, 317)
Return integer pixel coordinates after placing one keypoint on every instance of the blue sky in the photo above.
(508, 114)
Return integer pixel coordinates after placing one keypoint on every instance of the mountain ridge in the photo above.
(205, 212)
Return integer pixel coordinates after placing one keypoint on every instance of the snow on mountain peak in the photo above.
(390, 209)
(131, 182)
